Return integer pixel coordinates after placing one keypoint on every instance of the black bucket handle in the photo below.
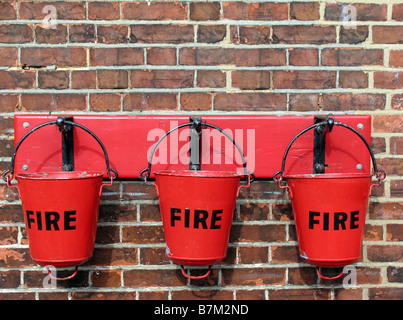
(145, 173)
(330, 122)
(8, 175)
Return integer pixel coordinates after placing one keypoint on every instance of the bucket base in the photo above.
(195, 261)
(61, 264)
(331, 263)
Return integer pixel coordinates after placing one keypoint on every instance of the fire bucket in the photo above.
(197, 209)
(60, 210)
(329, 211)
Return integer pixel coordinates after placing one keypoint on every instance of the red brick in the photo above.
(205, 11)
(8, 235)
(195, 101)
(252, 255)
(304, 79)
(386, 210)
(250, 101)
(304, 34)
(160, 33)
(365, 12)
(391, 165)
(161, 78)
(116, 56)
(351, 101)
(253, 276)
(211, 33)
(8, 57)
(303, 57)
(397, 101)
(15, 258)
(8, 102)
(373, 233)
(396, 145)
(16, 33)
(140, 10)
(38, 57)
(53, 79)
(395, 231)
(83, 79)
(304, 11)
(396, 58)
(150, 101)
(254, 233)
(353, 79)
(352, 57)
(385, 293)
(105, 102)
(211, 79)
(285, 254)
(252, 35)
(53, 102)
(304, 102)
(388, 80)
(300, 294)
(153, 278)
(254, 211)
(255, 11)
(24, 79)
(112, 79)
(387, 34)
(112, 33)
(106, 278)
(252, 80)
(238, 57)
(58, 35)
(161, 56)
(66, 10)
(103, 10)
(204, 294)
(353, 36)
(397, 13)
(82, 33)
(8, 11)
(385, 253)
(387, 123)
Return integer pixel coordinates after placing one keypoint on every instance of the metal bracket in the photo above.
(67, 143)
(319, 144)
(195, 143)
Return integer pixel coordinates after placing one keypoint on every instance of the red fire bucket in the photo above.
(329, 212)
(197, 209)
(60, 211)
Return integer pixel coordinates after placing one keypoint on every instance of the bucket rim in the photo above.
(198, 174)
(329, 176)
(62, 175)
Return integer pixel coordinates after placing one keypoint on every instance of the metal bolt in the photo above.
(360, 126)
(359, 166)
(25, 167)
(25, 125)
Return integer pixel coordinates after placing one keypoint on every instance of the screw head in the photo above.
(25, 125)
(359, 166)
(25, 167)
(360, 126)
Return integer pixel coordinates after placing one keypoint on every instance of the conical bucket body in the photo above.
(197, 209)
(329, 212)
(61, 214)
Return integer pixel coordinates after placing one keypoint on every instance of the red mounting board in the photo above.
(129, 138)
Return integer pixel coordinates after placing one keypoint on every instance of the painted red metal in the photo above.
(129, 139)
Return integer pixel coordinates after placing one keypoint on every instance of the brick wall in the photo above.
(263, 57)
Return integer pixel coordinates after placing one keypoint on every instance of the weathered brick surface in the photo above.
(178, 57)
